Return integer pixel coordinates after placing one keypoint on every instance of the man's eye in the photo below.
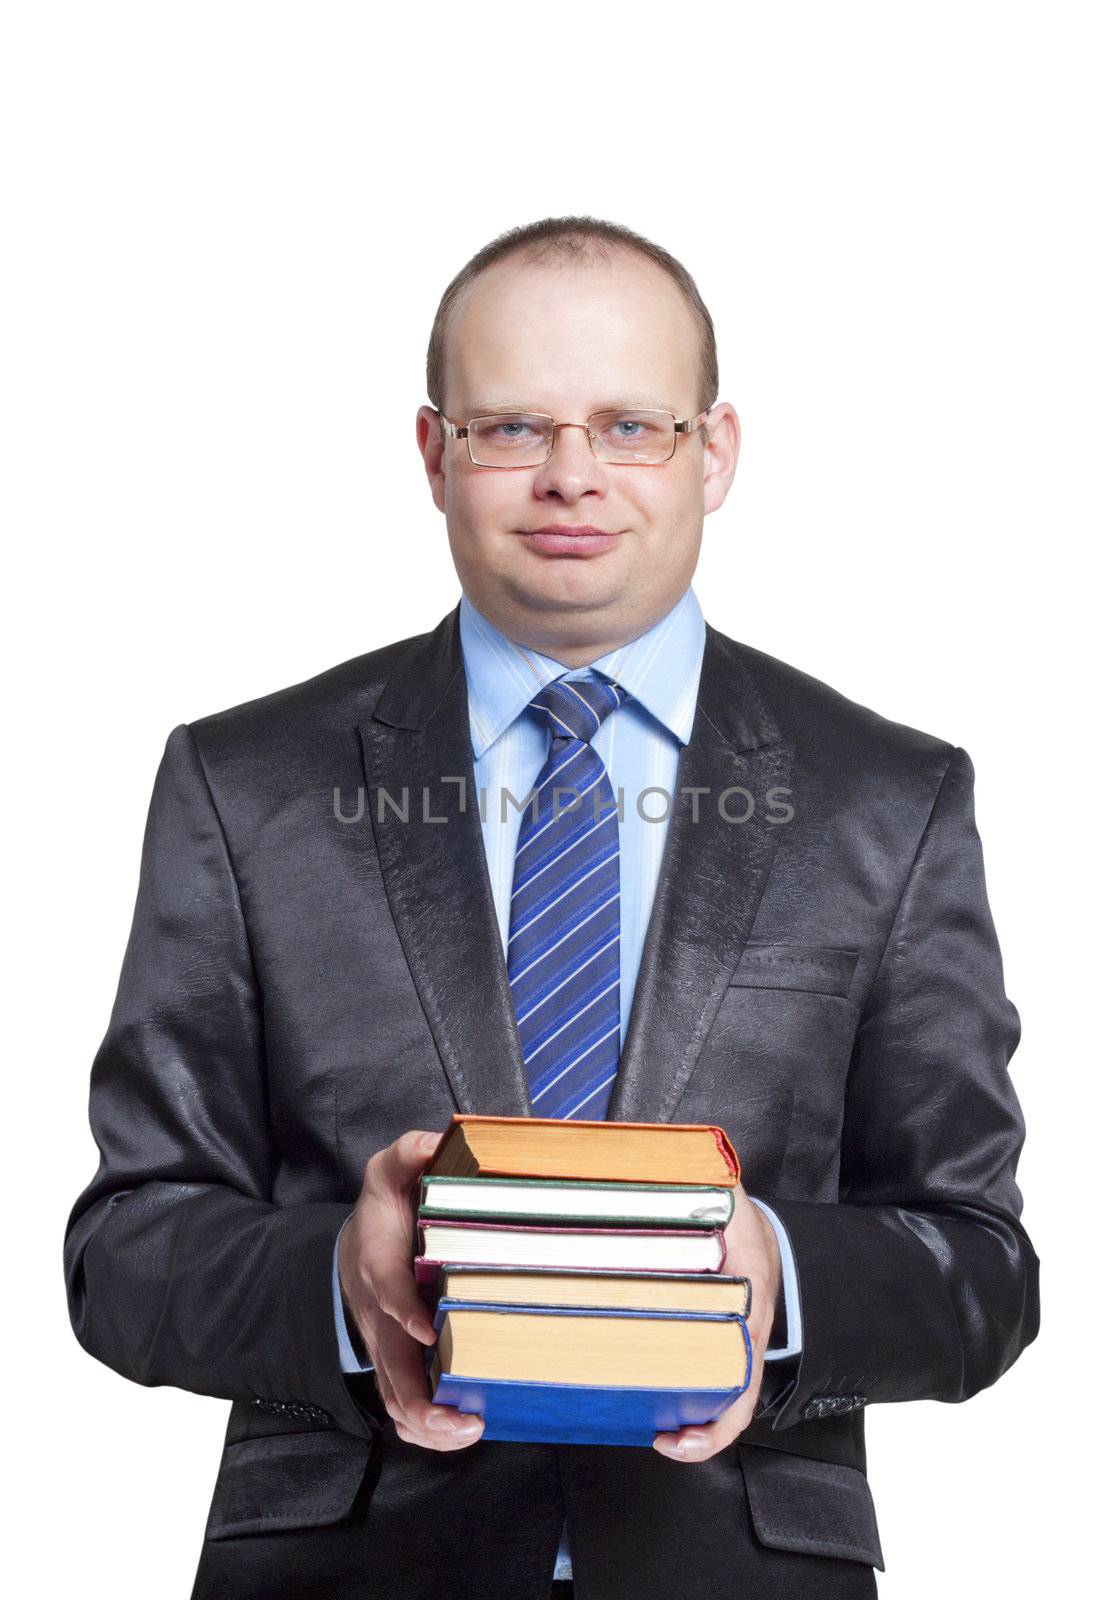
(625, 429)
(509, 430)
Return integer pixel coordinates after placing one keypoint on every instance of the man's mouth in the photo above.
(569, 539)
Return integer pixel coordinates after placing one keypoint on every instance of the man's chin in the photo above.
(568, 594)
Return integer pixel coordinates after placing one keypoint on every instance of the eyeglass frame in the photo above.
(461, 430)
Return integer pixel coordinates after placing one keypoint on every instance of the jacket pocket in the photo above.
(817, 969)
(282, 1481)
(817, 1508)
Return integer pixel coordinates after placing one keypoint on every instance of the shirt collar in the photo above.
(660, 669)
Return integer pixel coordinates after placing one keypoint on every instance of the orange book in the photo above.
(557, 1147)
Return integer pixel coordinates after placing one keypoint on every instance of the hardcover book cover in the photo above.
(575, 1200)
(569, 1147)
(567, 1413)
(549, 1244)
(577, 1286)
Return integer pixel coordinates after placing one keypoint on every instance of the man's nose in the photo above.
(572, 463)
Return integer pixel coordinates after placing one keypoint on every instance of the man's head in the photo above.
(569, 317)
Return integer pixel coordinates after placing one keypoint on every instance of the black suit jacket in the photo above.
(299, 990)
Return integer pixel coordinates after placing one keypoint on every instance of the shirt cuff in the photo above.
(347, 1355)
(790, 1288)
(562, 1572)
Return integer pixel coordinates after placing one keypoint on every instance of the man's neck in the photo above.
(568, 643)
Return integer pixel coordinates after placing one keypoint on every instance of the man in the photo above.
(345, 931)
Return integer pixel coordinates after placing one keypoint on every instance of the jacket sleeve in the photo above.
(180, 1268)
(920, 1283)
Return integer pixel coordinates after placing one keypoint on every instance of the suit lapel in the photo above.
(712, 877)
(435, 873)
(437, 882)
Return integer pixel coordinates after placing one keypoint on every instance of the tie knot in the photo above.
(577, 708)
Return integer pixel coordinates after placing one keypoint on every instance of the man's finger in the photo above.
(400, 1163)
(405, 1366)
(692, 1444)
(399, 1298)
(412, 1431)
(701, 1442)
(432, 1441)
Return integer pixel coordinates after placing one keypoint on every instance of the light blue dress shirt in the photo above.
(639, 745)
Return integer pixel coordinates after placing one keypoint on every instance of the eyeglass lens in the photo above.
(524, 439)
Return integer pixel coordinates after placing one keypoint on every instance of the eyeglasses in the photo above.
(526, 438)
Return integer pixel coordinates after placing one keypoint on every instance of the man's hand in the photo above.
(752, 1252)
(375, 1272)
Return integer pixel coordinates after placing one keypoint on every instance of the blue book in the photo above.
(505, 1373)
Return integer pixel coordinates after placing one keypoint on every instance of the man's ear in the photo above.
(720, 454)
(429, 437)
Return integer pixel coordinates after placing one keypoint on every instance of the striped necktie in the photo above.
(564, 918)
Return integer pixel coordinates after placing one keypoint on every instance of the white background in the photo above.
(228, 229)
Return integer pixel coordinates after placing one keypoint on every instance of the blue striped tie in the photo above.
(564, 921)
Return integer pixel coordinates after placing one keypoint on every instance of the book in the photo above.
(525, 1244)
(557, 1147)
(682, 1205)
(543, 1374)
(582, 1286)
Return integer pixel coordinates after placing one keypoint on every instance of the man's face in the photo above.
(570, 341)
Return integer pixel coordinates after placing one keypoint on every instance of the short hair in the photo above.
(587, 240)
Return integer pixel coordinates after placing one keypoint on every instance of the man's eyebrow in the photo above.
(489, 408)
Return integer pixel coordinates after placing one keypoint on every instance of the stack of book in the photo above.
(574, 1274)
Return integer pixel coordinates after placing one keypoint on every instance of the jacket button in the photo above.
(292, 1408)
(832, 1405)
